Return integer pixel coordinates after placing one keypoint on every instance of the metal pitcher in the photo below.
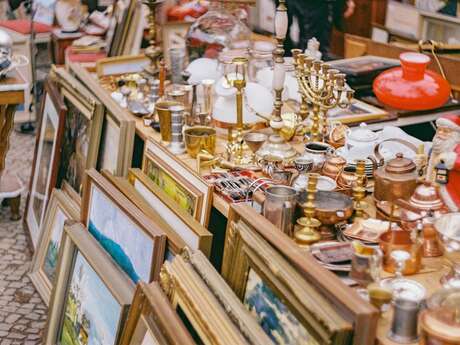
(279, 207)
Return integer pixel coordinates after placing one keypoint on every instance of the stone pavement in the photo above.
(22, 312)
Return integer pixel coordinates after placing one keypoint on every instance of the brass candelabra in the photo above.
(309, 234)
(153, 51)
(359, 190)
(323, 87)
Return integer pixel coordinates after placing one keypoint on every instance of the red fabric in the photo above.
(84, 57)
(23, 26)
(453, 184)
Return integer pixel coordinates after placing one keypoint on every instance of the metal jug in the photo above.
(279, 207)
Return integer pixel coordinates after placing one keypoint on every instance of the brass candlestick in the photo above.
(238, 81)
(308, 234)
(153, 52)
(359, 190)
(323, 87)
(303, 110)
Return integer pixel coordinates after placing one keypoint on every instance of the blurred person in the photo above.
(316, 18)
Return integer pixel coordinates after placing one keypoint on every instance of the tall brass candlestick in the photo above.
(323, 87)
(308, 234)
(359, 190)
(153, 52)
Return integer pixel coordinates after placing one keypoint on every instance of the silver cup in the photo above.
(405, 318)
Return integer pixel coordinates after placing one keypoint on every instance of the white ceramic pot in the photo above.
(361, 137)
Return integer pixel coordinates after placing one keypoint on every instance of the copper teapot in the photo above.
(333, 165)
(395, 180)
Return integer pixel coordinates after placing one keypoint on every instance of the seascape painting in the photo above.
(273, 315)
(75, 146)
(186, 200)
(126, 242)
(52, 251)
(92, 313)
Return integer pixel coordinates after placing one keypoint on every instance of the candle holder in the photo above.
(153, 51)
(359, 190)
(321, 86)
(308, 234)
(237, 79)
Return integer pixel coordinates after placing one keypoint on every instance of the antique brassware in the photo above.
(279, 207)
(254, 140)
(164, 116)
(317, 151)
(333, 166)
(200, 139)
(397, 179)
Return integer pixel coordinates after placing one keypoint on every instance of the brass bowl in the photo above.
(164, 115)
(200, 138)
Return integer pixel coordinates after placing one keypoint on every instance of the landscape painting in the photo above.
(92, 314)
(273, 315)
(126, 242)
(184, 198)
(52, 251)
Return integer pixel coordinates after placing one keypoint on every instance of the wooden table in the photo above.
(12, 89)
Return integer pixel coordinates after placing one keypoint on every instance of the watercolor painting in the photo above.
(186, 200)
(273, 315)
(126, 242)
(92, 313)
(51, 257)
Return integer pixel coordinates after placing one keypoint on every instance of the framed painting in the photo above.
(43, 271)
(121, 64)
(195, 235)
(290, 309)
(82, 131)
(202, 313)
(69, 191)
(190, 191)
(118, 129)
(152, 320)
(46, 159)
(175, 243)
(92, 295)
(133, 240)
(356, 112)
(255, 250)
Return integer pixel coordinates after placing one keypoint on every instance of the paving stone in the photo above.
(22, 311)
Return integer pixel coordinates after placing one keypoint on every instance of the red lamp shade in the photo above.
(412, 86)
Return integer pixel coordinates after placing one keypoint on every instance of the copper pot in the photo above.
(400, 240)
(333, 166)
(396, 180)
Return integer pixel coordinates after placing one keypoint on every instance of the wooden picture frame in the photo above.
(357, 112)
(82, 131)
(184, 178)
(268, 284)
(68, 190)
(118, 132)
(151, 315)
(203, 315)
(362, 315)
(44, 263)
(175, 243)
(173, 36)
(133, 240)
(195, 235)
(52, 118)
(121, 64)
(80, 251)
(121, 21)
(237, 312)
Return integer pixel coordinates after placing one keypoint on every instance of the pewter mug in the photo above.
(279, 207)
(405, 319)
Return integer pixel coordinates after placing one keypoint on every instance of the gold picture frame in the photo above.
(151, 317)
(362, 315)
(118, 132)
(195, 235)
(268, 284)
(121, 65)
(133, 240)
(84, 266)
(357, 112)
(44, 263)
(177, 179)
(82, 130)
(203, 314)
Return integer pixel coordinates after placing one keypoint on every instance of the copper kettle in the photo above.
(395, 180)
(333, 165)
